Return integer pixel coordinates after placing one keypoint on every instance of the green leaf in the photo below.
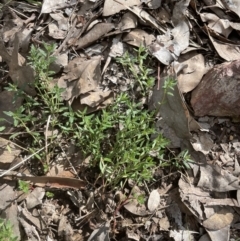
(2, 128)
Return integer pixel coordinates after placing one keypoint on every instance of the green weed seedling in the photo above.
(6, 232)
(31, 118)
(118, 141)
(23, 186)
(49, 194)
(137, 66)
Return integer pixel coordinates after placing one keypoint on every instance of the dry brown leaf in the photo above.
(233, 5)
(169, 46)
(136, 208)
(9, 152)
(205, 237)
(164, 224)
(21, 75)
(35, 220)
(201, 141)
(95, 98)
(64, 228)
(219, 220)
(11, 214)
(221, 26)
(173, 110)
(61, 20)
(111, 7)
(35, 197)
(81, 77)
(77, 106)
(182, 235)
(153, 200)
(217, 180)
(146, 18)
(190, 197)
(153, 4)
(7, 194)
(55, 32)
(49, 6)
(128, 21)
(190, 76)
(219, 235)
(227, 51)
(97, 32)
(139, 37)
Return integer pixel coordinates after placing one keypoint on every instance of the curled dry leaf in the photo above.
(61, 20)
(169, 46)
(190, 76)
(228, 51)
(128, 21)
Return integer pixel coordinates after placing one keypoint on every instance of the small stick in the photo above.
(46, 138)
(20, 163)
(159, 78)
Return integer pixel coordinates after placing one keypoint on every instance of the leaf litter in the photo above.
(193, 42)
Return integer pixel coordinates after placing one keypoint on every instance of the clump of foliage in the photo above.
(6, 232)
(31, 118)
(117, 139)
(23, 186)
(136, 65)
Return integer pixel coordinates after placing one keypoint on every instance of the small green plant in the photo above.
(117, 139)
(179, 162)
(49, 194)
(23, 186)
(6, 232)
(183, 159)
(140, 198)
(137, 66)
(32, 116)
(119, 142)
